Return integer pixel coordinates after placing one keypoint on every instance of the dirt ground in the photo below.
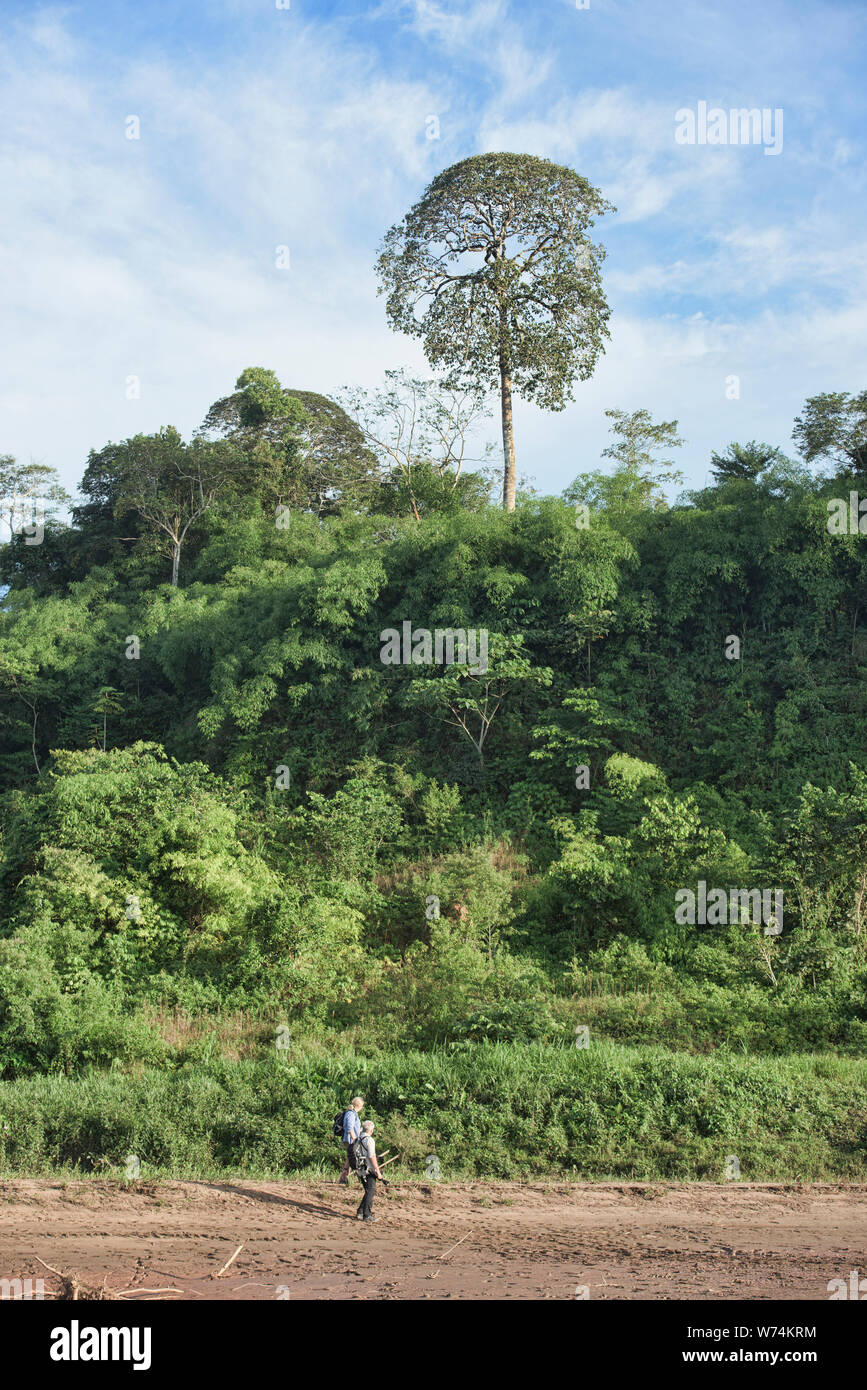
(511, 1240)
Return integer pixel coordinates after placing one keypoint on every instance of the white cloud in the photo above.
(156, 257)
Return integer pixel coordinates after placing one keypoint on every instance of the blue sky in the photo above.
(307, 127)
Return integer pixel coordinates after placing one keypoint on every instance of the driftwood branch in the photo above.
(228, 1262)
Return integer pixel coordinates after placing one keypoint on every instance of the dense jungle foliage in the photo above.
(234, 837)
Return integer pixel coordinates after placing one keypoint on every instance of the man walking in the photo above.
(351, 1132)
(368, 1171)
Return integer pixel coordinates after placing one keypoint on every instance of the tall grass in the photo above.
(484, 1110)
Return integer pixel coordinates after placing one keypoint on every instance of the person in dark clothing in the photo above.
(368, 1170)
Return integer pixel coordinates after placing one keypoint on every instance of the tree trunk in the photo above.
(33, 740)
(176, 562)
(508, 433)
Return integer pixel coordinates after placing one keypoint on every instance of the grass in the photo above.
(486, 1110)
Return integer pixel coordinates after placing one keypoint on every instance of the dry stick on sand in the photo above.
(228, 1262)
(130, 1293)
(449, 1251)
(455, 1246)
(72, 1288)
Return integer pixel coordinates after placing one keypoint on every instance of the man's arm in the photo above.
(374, 1160)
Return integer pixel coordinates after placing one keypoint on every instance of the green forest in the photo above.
(250, 867)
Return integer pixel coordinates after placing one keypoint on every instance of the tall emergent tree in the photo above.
(834, 426)
(531, 315)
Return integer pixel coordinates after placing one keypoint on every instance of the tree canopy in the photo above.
(495, 270)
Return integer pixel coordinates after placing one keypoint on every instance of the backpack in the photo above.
(337, 1127)
(358, 1158)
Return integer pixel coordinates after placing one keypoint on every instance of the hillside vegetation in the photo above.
(248, 867)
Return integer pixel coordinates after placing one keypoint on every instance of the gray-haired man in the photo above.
(368, 1171)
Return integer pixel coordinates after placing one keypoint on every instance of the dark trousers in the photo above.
(368, 1181)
